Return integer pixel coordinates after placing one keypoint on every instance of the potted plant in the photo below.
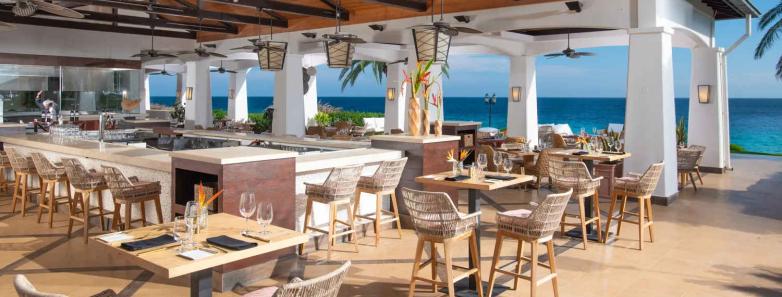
(681, 133)
(437, 102)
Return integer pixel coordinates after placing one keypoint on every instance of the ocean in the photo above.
(755, 124)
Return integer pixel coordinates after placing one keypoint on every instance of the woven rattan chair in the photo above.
(535, 226)
(557, 141)
(339, 189)
(326, 285)
(382, 183)
(5, 164)
(50, 175)
(84, 183)
(24, 173)
(702, 149)
(540, 168)
(575, 175)
(127, 191)
(516, 139)
(640, 186)
(687, 165)
(436, 220)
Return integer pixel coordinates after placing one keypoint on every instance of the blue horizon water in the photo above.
(755, 124)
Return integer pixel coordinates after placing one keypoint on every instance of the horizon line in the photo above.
(472, 97)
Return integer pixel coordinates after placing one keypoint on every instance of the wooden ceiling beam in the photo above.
(407, 4)
(158, 22)
(288, 8)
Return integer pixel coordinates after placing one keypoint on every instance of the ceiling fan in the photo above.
(443, 26)
(259, 44)
(338, 36)
(163, 72)
(222, 70)
(25, 8)
(569, 52)
(152, 53)
(202, 51)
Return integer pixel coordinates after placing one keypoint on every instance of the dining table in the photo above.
(474, 187)
(166, 261)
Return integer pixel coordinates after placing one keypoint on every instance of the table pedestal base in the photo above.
(466, 288)
(576, 233)
(201, 283)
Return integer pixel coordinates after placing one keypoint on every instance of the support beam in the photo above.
(288, 8)
(396, 110)
(198, 111)
(406, 4)
(289, 116)
(145, 97)
(237, 95)
(157, 22)
(523, 114)
(706, 125)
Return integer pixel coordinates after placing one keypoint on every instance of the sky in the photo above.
(601, 76)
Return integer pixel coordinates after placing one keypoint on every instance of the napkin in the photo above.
(500, 177)
(148, 243)
(579, 153)
(457, 178)
(230, 243)
(115, 237)
(195, 254)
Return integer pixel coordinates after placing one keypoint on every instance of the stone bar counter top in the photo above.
(338, 144)
(415, 139)
(327, 160)
(233, 155)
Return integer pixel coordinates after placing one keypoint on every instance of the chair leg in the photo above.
(143, 206)
(650, 216)
(533, 275)
(610, 216)
(24, 195)
(16, 189)
(621, 214)
(42, 203)
(519, 254)
(596, 209)
(378, 216)
(582, 219)
(71, 212)
(692, 180)
(416, 266)
(434, 265)
(100, 211)
(476, 262)
(158, 210)
(332, 225)
(128, 213)
(307, 214)
(640, 224)
(116, 222)
(52, 204)
(698, 172)
(352, 222)
(552, 261)
(85, 208)
(449, 267)
(395, 208)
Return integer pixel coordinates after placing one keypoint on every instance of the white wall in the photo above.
(706, 125)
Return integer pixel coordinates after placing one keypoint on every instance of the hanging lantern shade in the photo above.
(431, 44)
(339, 53)
(271, 55)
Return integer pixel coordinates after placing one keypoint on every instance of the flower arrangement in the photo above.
(202, 201)
(462, 155)
(583, 141)
(420, 82)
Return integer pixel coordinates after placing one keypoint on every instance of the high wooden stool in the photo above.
(5, 164)
(382, 183)
(338, 190)
(536, 227)
(574, 175)
(84, 183)
(24, 173)
(436, 220)
(640, 187)
(50, 175)
(126, 192)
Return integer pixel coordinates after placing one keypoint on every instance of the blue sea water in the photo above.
(756, 124)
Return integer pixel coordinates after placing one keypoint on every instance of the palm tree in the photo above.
(349, 75)
(771, 20)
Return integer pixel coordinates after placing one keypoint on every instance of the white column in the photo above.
(311, 98)
(145, 101)
(523, 115)
(237, 95)
(198, 111)
(289, 115)
(395, 111)
(706, 125)
(650, 124)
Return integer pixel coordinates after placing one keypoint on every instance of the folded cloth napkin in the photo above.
(230, 243)
(579, 153)
(614, 153)
(148, 243)
(500, 177)
(457, 178)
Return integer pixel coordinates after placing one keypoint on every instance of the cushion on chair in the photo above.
(519, 213)
(264, 292)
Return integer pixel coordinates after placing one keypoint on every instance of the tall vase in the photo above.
(425, 122)
(438, 128)
(414, 117)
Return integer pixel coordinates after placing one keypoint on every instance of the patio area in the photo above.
(723, 240)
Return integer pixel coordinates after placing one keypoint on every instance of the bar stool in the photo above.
(338, 190)
(5, 164)
(640, 187)
(126, 191)
(84, 183)
(24, 169)
(383, 182)
(50, 175)
(536, 227)
(436, 220)
(575, 175)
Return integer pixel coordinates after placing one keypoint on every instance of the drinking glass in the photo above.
(191, 221)
(497, 160)
(482, 161)
(179, 232)
(265, 215)
(598, 147)
(582, 132)
(594, 131)
(247, 207)
(507, 164)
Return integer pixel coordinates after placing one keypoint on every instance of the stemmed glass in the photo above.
(247, 207)
(482, 161)
(507, 164)
(497, 160)
(594, 131)
(191, 221)
(265, 215)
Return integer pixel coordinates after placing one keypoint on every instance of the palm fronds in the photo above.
(349, 76)
(772, 22)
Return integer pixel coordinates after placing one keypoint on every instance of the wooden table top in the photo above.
(166, 262)
(604, 157)
(472, 184)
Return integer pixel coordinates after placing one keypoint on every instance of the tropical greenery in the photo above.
(322, 119)
(356, 117)
(771, 21)
(219, 114)
(178, 113)
(379, 70)
(681, 132)
(262, 122)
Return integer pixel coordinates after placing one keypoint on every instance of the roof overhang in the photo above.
(732, 9)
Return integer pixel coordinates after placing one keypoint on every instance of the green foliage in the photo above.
(771, 21)
(219, 114)
(735, 148)
(323, 119)
(178, 113)
(349, 75)
(356, 117)
(681, 132)
(262, 123)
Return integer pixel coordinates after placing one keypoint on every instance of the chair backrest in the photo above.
(558, 141)
(700, 148)
(542, 163)
(18, 161)
(650, 178)
(572, 175)
(45, 168)
(5, 162)
(545, 219)
(342, 182)
(489, 151)
(115, 180)
(26, 289)
(326, 285)
(78, 176)
(515, 139)
(388, 174)
(687, 159)
(432, 213)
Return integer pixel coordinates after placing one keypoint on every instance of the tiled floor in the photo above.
(726, 240)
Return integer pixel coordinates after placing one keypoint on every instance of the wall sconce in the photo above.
(515, 94)
(189, 93)
(124, 94)
(391, 94)
(704, 93)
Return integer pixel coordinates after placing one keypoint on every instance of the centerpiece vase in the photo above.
(425, 122)
(438, 128)
(414, 117)
(203, 219)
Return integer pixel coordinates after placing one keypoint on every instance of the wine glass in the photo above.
(247, 207)
(265, 215)
(598, 147)
(594, 130)
(497, 160)
(507, 164)
(482, 161)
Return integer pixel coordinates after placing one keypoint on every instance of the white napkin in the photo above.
(115, 237)
(196, 254)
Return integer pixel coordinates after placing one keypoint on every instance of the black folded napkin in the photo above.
(614, 153)
(148, 243)
(579, 153)
(457, 178)
(231, 243)
(500, 177)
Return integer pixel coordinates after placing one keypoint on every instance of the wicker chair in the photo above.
(5, 164)
(687, 164)
(24, 172)
(127, 191)
(24, 288)
(557, 141)
(536, 226)
(540, 168)
(50, 175)
(326, 285)
(489, 151)
(339, 189)
(436, 220)
(382, 183)
(702, 149)
(84, 183)
(639, 186)
(516, 139)
(575, 175)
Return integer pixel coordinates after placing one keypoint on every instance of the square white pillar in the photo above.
(237, 95)
(311, 97)
(395, 110)
(289, 115)
(650, 123)
(523, 114)
(706, 125)
(145, 98)
(198, 110)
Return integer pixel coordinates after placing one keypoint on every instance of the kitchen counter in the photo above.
(233, 155)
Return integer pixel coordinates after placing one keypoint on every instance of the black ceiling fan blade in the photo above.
(354, 40)
(219, 55)
(467, 30)
(166, 55)
(247, 47)
(553, 55)
(141, 55)
(586, 54)
(230, 71)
